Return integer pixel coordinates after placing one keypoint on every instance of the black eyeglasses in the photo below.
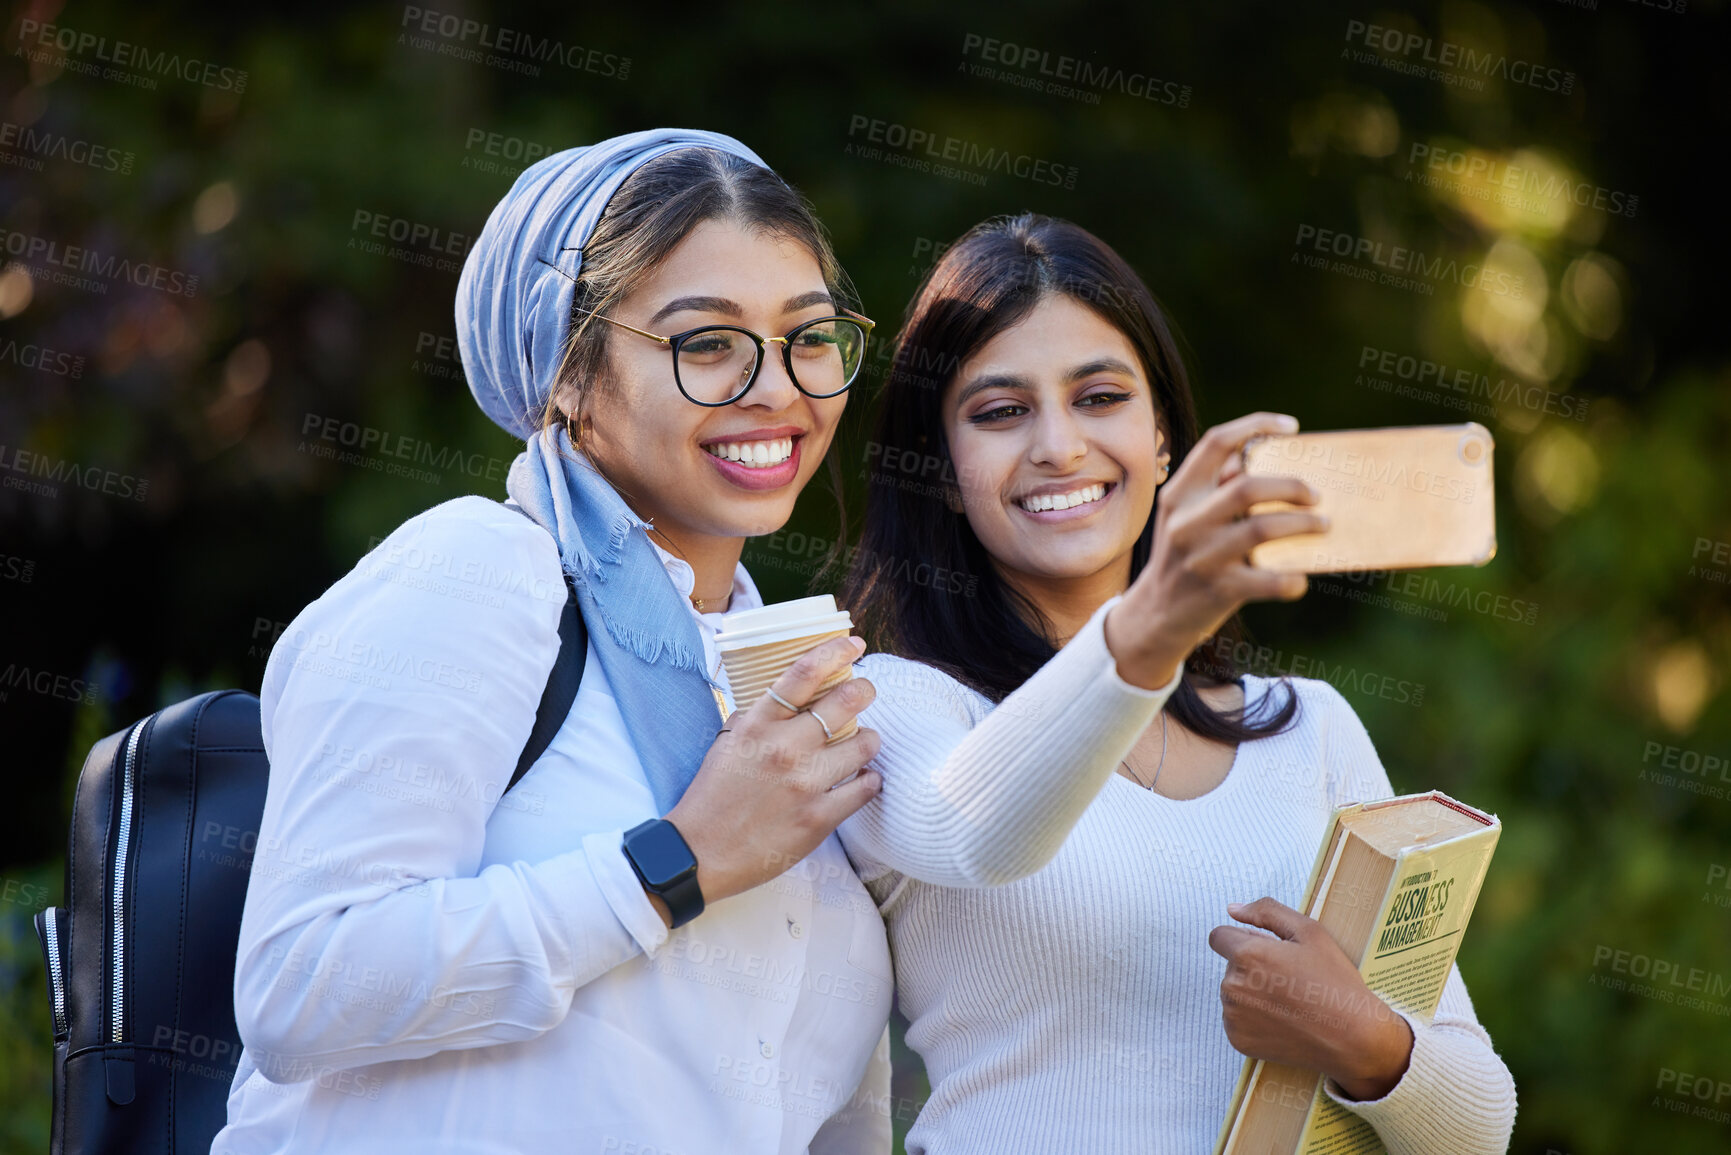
(714, 365)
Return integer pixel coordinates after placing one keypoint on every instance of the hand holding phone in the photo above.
(1396, 498)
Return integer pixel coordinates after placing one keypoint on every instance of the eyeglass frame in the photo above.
(675, 340)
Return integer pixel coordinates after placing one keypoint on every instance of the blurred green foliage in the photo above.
(1561, 724)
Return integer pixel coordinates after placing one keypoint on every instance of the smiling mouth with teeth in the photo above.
(754, 454)
(1052, 501)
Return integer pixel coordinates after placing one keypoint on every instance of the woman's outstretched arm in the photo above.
(980, 796)
(971, 800)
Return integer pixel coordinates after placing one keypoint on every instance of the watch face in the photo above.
(661, 854)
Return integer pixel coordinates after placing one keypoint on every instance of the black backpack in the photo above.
(141, 959)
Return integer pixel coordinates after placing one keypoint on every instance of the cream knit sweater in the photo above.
(1049, 918)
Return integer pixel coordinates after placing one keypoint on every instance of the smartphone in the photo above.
(1397, 498)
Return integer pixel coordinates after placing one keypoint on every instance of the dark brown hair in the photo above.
(995, 638)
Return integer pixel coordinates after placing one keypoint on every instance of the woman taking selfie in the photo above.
(1094, 1003)
(653, 942)
(425, 965)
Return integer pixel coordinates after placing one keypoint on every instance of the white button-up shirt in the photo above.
(424, 966)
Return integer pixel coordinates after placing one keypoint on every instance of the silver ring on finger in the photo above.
(796, 709)
(827, 735)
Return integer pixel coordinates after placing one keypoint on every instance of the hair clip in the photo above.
(556, 268)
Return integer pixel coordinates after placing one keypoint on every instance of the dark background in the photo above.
(1584, 708)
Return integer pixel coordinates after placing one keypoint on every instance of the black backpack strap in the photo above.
(562, 683)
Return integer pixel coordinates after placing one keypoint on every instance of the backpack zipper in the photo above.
(119, 890)
(56, 980)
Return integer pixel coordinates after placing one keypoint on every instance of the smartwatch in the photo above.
(667, 868)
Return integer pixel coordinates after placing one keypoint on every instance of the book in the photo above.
(1394, 884)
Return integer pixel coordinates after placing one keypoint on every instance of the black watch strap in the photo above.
(666, 867)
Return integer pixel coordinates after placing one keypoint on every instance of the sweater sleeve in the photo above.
(979, 796)
(393, 710)
(1457, 1094)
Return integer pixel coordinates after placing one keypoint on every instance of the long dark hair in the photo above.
(976, 627)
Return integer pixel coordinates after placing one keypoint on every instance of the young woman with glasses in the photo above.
(588, 962)
(1092, 1002)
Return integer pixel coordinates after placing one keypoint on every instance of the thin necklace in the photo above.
(1158, 768)
(696, 601)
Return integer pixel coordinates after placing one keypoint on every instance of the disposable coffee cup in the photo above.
(757, 645)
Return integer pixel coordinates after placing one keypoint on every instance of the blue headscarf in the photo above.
(513, 319)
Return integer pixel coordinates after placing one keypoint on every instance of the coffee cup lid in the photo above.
(782, 621)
